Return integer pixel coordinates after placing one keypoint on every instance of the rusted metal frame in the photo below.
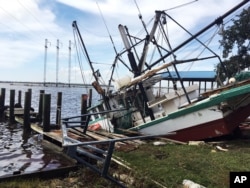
(88, 154)
(73, 150)
(75, 146)
(64, 120)
(108, 158)
(86, 122)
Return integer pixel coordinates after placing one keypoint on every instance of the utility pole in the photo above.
(69, 61)
(45, 62)
(57, 61)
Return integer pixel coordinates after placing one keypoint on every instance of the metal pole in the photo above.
(69, 61)
(45, 62)
(57, 63)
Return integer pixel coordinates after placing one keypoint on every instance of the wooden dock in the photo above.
(55, 135)
(102, 151)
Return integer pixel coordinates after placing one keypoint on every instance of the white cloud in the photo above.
(24, 25)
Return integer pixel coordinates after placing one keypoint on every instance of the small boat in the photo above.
(185, 112)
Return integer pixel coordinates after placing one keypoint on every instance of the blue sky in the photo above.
(25, 24)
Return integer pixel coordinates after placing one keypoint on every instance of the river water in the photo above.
(20, 153)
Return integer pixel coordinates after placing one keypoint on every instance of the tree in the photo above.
(236, 37)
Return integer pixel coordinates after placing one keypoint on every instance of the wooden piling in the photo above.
(46, 112)
(90, 97)
(84, 106)
(40, 106)
(2, 100)
(27, 106)
(20, 97)
(30, 90)
(59, 107)
(12, 105)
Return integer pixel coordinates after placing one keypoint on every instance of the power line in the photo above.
(8, 13)
(35, 18)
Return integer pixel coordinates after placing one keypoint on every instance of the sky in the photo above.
(26, 25)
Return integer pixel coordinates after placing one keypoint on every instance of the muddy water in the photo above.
(22, 153)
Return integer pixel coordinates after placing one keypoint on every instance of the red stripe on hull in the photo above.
(213, 129)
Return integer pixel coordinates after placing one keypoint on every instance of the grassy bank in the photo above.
(168, 165)
(204, 164)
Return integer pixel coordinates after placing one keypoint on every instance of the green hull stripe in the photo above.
(96, 120)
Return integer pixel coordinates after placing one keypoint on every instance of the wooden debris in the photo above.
(221, 149)
(159, 143)
(191, 184)
(173, 141)
(196, 143)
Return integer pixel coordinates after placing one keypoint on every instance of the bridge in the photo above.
(49, 84)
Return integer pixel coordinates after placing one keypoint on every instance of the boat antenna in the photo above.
(117, 54)
(140, 17)
(107, 28)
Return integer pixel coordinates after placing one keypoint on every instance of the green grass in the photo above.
(171, 164)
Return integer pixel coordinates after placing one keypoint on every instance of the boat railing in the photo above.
(84, 119)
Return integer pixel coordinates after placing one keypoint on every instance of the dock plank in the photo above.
(18, 112)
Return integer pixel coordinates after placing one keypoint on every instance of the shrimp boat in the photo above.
(183, 114)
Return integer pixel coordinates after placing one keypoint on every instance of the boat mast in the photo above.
(117, 54)
(216, 22)
(95, 84)
(148, 40)
(74, 25)
(135, 69)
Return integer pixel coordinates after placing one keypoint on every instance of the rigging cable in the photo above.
(179, 6)
(107, 29)
(117, 54)
(79, 59)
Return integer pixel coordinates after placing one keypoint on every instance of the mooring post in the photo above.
(84, 107)
(2, 100)
(90, 97)
(27, 105)
(40, 106)
(12, 105)
(30, 90)
(59, 107)
(20, 97)
(46, 112)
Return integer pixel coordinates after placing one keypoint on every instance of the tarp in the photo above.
(190, 75)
